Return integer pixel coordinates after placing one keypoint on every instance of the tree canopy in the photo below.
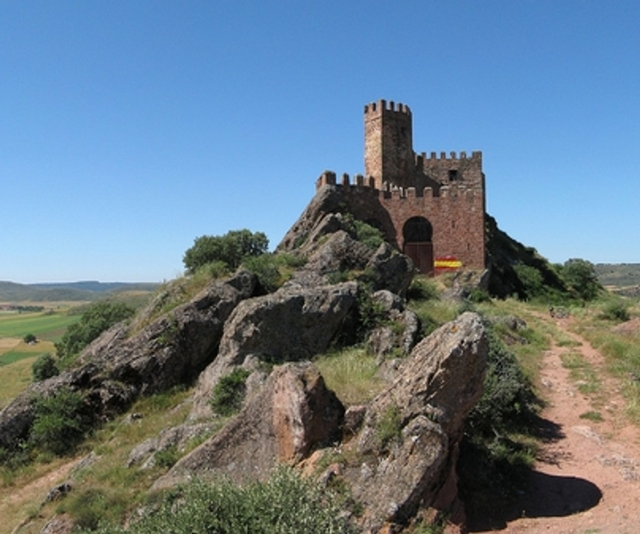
(230, 249)
(99, 317)
(581, 278)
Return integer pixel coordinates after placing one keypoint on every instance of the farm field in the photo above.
(16, 356)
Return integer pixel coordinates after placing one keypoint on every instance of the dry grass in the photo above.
(351, 374)
(123, 488)
(14, 379)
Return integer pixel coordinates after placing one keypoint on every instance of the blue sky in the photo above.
(129, 128)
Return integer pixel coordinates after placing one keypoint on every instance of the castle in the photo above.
(430, 207)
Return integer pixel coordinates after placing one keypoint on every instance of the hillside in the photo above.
(11, 292)
(623, 278)
(329, 356)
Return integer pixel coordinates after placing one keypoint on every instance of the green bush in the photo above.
(60, 422)
(228, 393)
(581, 278)
(99, 317)
(267, 268)
(44, 367)
(284, 504)
(616, 311)
(531, 279)
(29, 338)
(422, 288)
(93, 507)
(507, 399)
(166, 458)
(229, 249)
(388, 427)
(363, 232)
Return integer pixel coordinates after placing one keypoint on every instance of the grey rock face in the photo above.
(410, 432)
(120, 365)
(283, 422)
(292, 324)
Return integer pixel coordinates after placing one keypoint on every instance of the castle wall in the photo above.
(388, 143)
(447, 191)
(456, 216)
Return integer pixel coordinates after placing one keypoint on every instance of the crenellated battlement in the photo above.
(429, 205)
(382, 106)
(391, 191)
(476, 156)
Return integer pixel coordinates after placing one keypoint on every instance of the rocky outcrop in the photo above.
(177, 437)
(339, 254)
(397, 332)
(318, 219)
(410, 432)
(292, 324)
(121, 364)
(293, 413)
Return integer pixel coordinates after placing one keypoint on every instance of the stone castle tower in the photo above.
(430, 207)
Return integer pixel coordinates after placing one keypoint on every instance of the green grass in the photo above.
(352, 374)
(621, 352)
(14, 379)
(582, 373)
(15, 356)
(592, 415)
(44, 325)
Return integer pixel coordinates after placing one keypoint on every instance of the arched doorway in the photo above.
(417, 233)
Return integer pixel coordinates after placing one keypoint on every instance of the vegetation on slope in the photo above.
(499, 445)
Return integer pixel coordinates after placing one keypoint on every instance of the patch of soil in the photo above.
(587, 479)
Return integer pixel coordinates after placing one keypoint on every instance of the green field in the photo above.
(44, 325)
(16, 356)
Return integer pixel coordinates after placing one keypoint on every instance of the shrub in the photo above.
(422, 288)
(266, 268)
(363, 232)
(229, 249)
(29, 338)
(166, 458)
(99, 317)
(615, 311)
(531, 279)
(44, 367)
(581, 278)
(389, 427)
(507, 399)
(60, 422)
(284, 504)
(93, 507)
(479, 295)
(228, 393)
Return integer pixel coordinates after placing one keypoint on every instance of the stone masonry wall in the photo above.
(447, 191)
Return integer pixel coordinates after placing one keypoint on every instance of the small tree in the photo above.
(98, 318)
(230, 249)
(29, 338)
(580, 277)
(60, 423)
(44, 367)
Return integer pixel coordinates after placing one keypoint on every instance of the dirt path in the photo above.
(588, 478)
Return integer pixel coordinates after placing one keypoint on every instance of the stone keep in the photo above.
(431, 207)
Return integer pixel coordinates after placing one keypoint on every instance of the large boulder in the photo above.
(294, 323)
(313, 223)
(339, 254)
(409, 437)
(128, 361)
(283, 422)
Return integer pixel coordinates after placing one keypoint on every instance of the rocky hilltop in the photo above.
(396, 455)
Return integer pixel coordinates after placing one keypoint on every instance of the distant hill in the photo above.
(622, 278)
(72, 291)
